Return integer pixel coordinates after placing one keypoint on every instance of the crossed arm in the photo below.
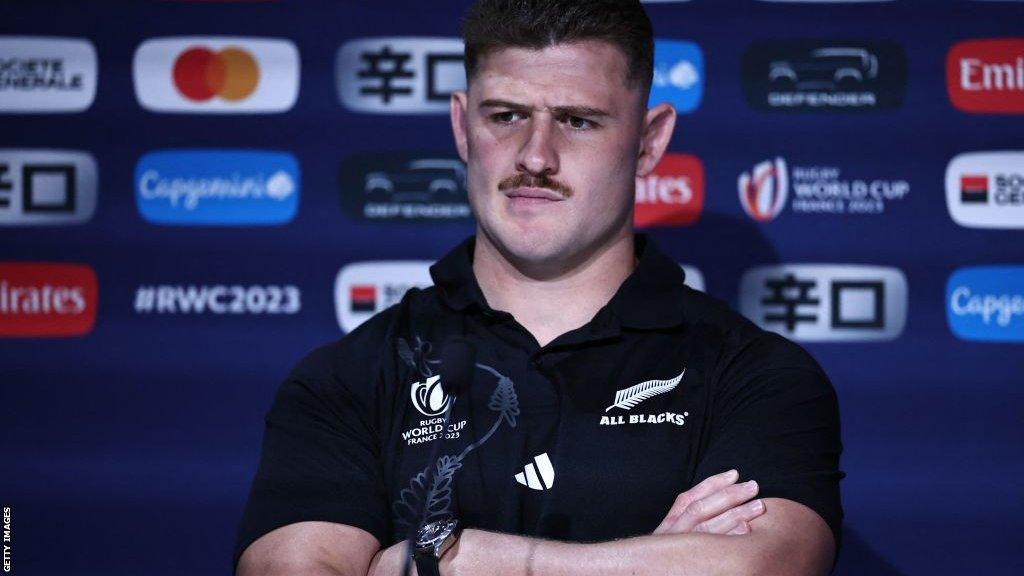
(716, 527)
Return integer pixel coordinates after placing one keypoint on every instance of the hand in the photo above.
(715, 506)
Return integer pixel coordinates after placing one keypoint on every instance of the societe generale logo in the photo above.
(986, 189)
(362, 289)
(218, 75)
(763, 190)
(40, 74)
(671, 195)
(43, 299)
(987, 76)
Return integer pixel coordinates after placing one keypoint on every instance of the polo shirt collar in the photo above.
(651, 297)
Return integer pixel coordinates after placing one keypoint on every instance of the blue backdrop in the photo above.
(129, 449)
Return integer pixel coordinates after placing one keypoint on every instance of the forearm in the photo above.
(481, 553)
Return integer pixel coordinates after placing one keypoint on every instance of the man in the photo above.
(611, 410)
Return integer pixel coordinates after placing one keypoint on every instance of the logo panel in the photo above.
(672, 195)
(987, 76)
(986, 189)
(217, 187)
(678, 75)
(218, 75)
(814, 189)
(986, 303)
(42, 299)
(826, 302)
(399, 75)
(41, 74)
(404, 186)
(693, 278)
(47, 187)
(824, 76)
(764, 190)
(362, 289)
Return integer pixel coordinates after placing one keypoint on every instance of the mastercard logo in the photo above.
(200, 74)
(216, 74)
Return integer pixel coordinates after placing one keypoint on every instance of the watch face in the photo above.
(433, 533)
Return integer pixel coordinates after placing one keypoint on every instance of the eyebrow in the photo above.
(582, 111)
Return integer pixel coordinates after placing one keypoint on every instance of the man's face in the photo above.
(552, 140)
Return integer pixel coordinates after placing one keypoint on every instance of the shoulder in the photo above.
(741, 344)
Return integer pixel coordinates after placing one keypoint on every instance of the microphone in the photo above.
(458, 362)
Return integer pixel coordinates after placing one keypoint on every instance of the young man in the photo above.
(611, 410)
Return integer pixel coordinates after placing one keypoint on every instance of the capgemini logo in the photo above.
(763, 191)
(280, 185)
(429, 398)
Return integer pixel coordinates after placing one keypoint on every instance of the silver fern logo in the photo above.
(627, 398)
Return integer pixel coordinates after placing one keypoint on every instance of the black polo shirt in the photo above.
(588, 438)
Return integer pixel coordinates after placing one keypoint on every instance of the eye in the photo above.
(577, 123)
(506, 117)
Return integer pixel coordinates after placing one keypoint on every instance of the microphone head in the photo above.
(458, 361)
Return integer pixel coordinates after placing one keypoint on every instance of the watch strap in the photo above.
(427, 565)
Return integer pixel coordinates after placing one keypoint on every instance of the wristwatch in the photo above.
(433, 540)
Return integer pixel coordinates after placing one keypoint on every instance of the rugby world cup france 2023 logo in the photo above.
(764, 190)
(429, 397)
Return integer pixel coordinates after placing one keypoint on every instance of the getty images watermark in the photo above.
(7, 538)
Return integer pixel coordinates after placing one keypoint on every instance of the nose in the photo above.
(538, 155)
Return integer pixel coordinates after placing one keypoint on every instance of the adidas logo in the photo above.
(539, 474)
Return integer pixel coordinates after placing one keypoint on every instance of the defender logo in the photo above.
(824, 76)
(538, 475)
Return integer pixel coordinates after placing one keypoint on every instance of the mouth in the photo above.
(534, 194)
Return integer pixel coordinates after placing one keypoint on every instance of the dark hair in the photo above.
(495, 24)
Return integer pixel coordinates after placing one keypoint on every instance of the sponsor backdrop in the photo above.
(195, 194)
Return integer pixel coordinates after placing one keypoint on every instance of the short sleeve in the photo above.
(320, 459)
(776, 421)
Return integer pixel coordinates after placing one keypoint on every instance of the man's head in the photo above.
(496, 24)
(554, 126)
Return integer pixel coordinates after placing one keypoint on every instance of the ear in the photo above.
(658, 125)
(458, 104)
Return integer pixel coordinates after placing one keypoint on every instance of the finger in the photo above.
(731, 518)
(705, 488)
(740, 529)
(713, 505)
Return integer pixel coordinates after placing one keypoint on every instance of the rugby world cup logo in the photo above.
(429, 398)
(763, 190)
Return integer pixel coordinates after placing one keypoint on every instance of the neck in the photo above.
(550, 304)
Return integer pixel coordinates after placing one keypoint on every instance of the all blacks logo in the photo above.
(429, 397)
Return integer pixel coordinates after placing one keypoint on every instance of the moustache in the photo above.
(531, 181)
